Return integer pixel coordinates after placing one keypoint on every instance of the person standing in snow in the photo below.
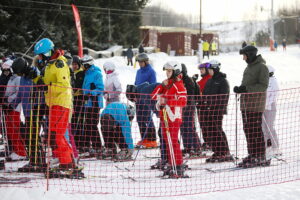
(13, 114)
(191, 141)
(252, 104)
(58, 97)
(129, 55)
(269, 115)
(145, 74)
(93, 95)
(171, 97)
(201, 115)
(214, 103)
(112, 86)
(116, 130)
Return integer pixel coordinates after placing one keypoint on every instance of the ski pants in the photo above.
(173, 130)
(112, 133)
(145, 121)
(78, 120)
(252, 125)
(268, 126)
(13, 123)
(58, 123)
(188, 132)
(212, 125)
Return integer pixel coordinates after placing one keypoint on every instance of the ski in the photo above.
(4, 180)
(152, 157)
(236, 168)
(125, 169)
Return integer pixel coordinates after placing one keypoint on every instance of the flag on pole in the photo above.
(78, 27)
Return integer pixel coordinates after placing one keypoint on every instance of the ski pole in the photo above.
(30, 123)
(37, 128)
(4, 132)
(236, 127)
(143, 137)
(169, 141)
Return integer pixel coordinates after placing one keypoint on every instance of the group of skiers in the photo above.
(63, 95)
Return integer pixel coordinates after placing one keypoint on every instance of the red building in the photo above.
(180, 40)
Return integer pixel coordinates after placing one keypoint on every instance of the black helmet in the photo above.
(76, 59)
(250, 51)
(19, 65)
(142, 57)
(184, 69)
(131, 92)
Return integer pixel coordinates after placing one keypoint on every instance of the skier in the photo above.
(205, 47)
(252, 104)
(145, 74)
(27, 96)
(272, 143)
(12, 117)
(58, 97)
(129, 55)
(201, 115)
(78, 102)
(171, 97)
(93, 95)
(112, 86)
(116, 130)
(191, 141)
(214, 105)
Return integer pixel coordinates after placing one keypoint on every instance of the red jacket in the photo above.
(176, 98)
(202, 82)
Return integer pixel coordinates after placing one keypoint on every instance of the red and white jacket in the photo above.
(176, 98)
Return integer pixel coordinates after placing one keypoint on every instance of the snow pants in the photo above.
(173, 128)
(13, 123)
(252, 125)
(58, 123)
(268, 126)
(188, 130)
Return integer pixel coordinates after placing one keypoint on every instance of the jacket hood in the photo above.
(259, 59)
(219, 75)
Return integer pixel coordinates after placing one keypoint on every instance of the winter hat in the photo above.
(250, 51)
(7, 65)
(109, 66)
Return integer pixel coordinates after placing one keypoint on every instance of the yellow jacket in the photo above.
(205, 46)
(57, 77)
(213, 46)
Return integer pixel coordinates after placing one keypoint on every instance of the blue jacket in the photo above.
(93, 76)
(145, 74)
(119, 112)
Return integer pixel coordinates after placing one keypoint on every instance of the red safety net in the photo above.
(77, 142)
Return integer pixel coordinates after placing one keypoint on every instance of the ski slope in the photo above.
(287, 65)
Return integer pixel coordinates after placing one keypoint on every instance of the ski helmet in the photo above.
(19, 65)
(76, 59)
(142, 57)
(184, 69)
(44, 46)
(250, 51)
(175, 66)
(130, 112)
(87, 61)
(131, 92)
(109, 66)
(69, 58)
(204, 65)
(7, 65)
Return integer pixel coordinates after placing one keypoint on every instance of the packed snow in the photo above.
(286, 65)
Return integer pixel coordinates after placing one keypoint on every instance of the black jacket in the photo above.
(216, 94)
(191, 88)
(3, 83)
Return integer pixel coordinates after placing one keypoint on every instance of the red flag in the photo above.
(78, 27)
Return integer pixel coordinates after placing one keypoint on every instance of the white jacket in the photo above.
(272, 92)
(12, 89)
(113, 87)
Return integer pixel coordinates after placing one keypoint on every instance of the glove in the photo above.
(195, 77)
(240, 89)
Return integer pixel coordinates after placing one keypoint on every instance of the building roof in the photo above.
(177, 29)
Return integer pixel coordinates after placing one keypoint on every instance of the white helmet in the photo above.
(87, 60)
(109, 66)
(175, 66)
(214, 64)
(7, 65)
(271, 69)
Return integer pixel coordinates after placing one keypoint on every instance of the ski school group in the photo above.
(62, 95)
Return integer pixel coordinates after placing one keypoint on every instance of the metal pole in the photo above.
(109, 32)
(272, 20)
(200, 23)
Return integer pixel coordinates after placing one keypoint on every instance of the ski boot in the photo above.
(254, 161)
(178, 173)
(160, 164)
(124, 155)
(72, 173)
(107, 154)
(31, 168)
(220, 158)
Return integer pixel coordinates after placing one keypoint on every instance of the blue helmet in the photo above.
(44, 46)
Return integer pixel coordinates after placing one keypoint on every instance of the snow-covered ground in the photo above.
(287, 65)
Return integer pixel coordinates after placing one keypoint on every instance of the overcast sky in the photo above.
(226, 10)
